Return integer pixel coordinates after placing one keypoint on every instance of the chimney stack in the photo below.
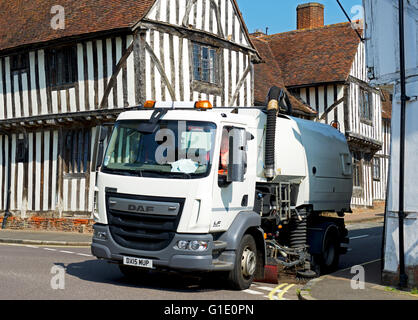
(310, 15)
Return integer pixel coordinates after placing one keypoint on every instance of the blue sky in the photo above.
(280, 15)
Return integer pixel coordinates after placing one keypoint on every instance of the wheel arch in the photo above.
(258, 235)
(247, 222)
(317, 235)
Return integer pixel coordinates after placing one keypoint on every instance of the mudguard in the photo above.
(316, 236)
(245, 221)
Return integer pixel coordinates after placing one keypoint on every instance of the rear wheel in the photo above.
(242, 276)
(328, 260)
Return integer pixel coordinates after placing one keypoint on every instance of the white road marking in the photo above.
(359, 237)
(50, 249)
(29, 246)
(84, 254)
(363, 264)
(63, 251)
(252, 291)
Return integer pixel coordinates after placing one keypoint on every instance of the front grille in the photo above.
(148, 232)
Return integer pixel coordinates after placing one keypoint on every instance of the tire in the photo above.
(328, 260)
(132, 272)
(242, 276)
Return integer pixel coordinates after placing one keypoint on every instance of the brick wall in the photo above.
(50, 224)
(392, 278)
(310, 15)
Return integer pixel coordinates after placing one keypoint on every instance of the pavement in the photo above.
(363, 217)
(49, 238)
(348, 284)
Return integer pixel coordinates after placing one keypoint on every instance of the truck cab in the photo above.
(164, 194)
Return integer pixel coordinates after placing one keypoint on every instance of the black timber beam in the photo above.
(62, 119)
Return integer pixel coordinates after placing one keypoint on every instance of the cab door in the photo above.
(231, 197)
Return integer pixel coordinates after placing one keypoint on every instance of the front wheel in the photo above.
(242, 276)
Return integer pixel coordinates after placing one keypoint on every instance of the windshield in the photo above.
(176, 149)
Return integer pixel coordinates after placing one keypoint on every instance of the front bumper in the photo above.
(168, 258)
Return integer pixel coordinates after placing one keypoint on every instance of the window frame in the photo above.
(222, 171)
(56, 72)
(357, 170)
(23, 59)
(366, 118)
(376, 164)
(77, 153)
(216, 82)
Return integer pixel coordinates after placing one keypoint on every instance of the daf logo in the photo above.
(139, 208)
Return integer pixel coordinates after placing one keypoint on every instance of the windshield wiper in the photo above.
(157, 173)
(119, 171)
(167, 174)
(180, 174)
(164, 174)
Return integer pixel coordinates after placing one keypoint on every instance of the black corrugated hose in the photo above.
(274, 102)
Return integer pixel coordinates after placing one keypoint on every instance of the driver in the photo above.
(224, 154)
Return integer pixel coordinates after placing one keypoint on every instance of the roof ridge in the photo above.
(328, 26)
(303, 64)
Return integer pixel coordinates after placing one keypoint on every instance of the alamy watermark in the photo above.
(358, 281)
(58, 19)
(58, 280)
(358, 18)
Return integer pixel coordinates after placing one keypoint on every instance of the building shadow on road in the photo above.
(365, 252)
(100, 271)
(372, 273)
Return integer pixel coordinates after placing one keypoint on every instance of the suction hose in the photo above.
(273, 99)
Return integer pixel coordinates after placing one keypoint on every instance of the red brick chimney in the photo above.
(310, 15)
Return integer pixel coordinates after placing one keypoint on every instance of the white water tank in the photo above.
(317, 157)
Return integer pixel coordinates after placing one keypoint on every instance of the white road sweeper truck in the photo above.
(187, 187)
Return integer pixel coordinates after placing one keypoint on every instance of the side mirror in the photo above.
(237, 166)
(103, 133)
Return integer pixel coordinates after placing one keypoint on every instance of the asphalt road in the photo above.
(56, 273)
(33, 272)
(365, 244)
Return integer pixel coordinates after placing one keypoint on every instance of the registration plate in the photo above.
(137, 262)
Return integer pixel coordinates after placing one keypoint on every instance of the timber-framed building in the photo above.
(57, 85)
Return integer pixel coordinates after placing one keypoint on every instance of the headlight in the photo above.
(100, 235)
(183, 245)
(198, 245)
(192, 245)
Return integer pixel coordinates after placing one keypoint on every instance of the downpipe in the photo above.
(403, 278)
